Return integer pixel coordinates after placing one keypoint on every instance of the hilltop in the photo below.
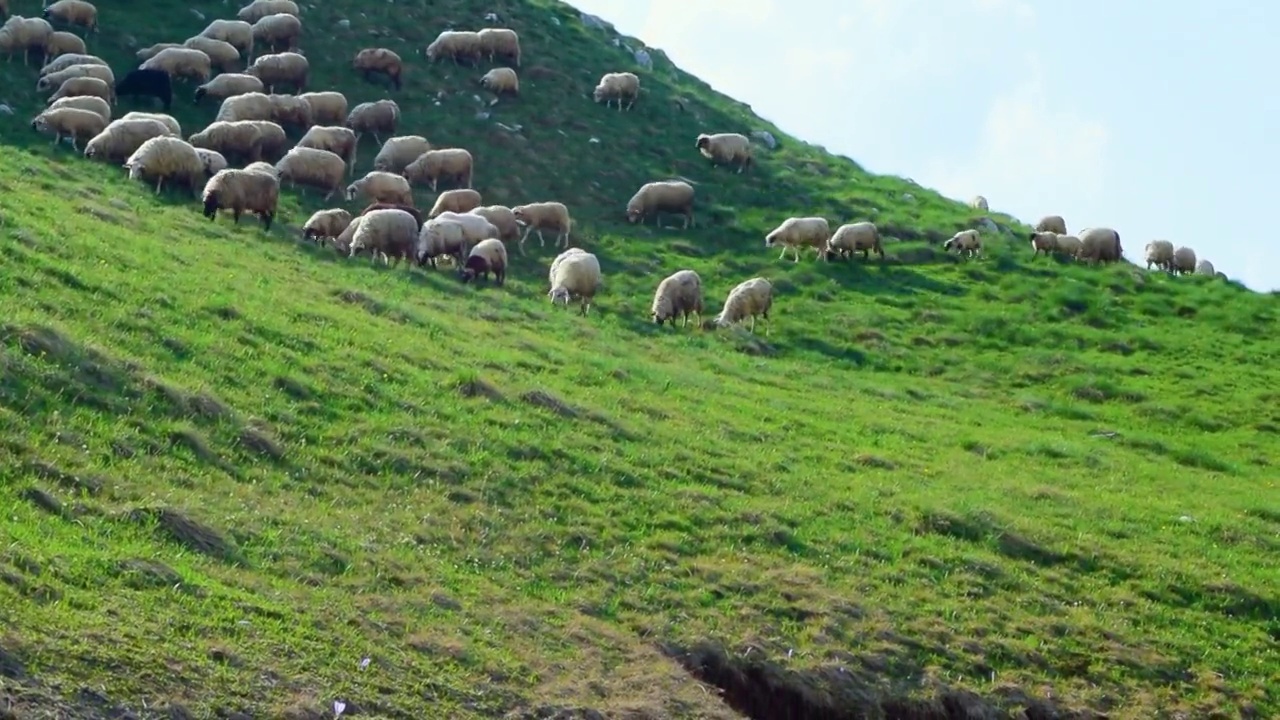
(241, 467)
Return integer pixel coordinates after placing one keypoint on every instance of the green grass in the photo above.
(234, 465)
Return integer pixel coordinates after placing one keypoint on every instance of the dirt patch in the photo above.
(259, 440)
(47, 471)
(43, 500)
(550, 402)
(477, 388)
(188, 532)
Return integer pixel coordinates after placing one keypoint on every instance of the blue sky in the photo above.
(1151, 118)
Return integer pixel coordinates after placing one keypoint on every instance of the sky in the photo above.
(1161, 120)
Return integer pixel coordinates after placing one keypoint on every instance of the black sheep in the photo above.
(153, 83)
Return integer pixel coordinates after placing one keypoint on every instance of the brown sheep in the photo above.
(379, 60)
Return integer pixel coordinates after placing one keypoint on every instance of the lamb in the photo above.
(236, 32)
(665, 196)
(122, 137)
(167, 158)
(65, 61)
(370, 61)
(259, 9)
(75, 123)
(229, 85)
(1052, 223)
(618, 87)
(78, 86)
(680, 293)
(25, 34)
(213, 161)
(277, 31)
(502, 218)
(222, 55)
(1160, 254)
(1043, 241)
(381, 116)
(800, 232)
(457, 45)
(174, 128)
(500, 81)
(271, 138)
(286, 68)
(249, 106)
(398, 152)
(241, 190)
(290, 110)
(748, 299)
(181, 62)
(391, 233)
(328, 107)
(980, 203)
(1184, 260)
(1204, 267)
(489, 255)
(381, 186)
(73, 12)
(549, 216)
(1068, 245)
(339, 140)
(431, 166)
(1100, 245)
(458, 201)
(500, 44)
(852, 237)
(85, 102)
(147, 83)
(726, 149)
(574, 272)
(968, 242)
(310, 167)
(239, 139)
(61, 43)
(53, 80)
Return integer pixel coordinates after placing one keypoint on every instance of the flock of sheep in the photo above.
(251, 124)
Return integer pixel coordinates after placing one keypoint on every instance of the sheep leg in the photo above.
(159, 182)
(541, 241)
(783, 253)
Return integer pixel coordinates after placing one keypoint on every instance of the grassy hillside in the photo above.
(238, 467)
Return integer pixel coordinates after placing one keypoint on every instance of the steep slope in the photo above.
(239, 466)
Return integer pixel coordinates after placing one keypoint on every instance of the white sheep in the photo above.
(979, 203)
(618, 87)
(1068, 245)
(336, 139)
(457, 45)
(75, 123)
(431, 167)
(62, 43)
(500, 44)
(381, 116)
(240, 139)
(574, 273)
(474, 227)
(241, 190)
(379, 186)
(389, 233)
(271, 138)
(85, 102)
(122, 137)
(1204, 267)
(236, 32)
(1043, 241)
(328, 107)
(168, 120)
(371, 61)
(1052, 223)
(326, 224)
(966, 242)
(24, 34)
(1184, 260)
(500, 81)
(852, 237)
(726, 149)
(285, 68)
(1160, 254)
(749, 299)
(440, 237)
(290, 110)
(147, 53)
(81, 86)
(1100, 245)
(665, 196)
(259, 9)
(279, 31)
(246, 106)
(51, 81)
(167, 158)
(800, 232)
(228, 85)
(223, 56)
(550, 216)
(73, 12)
(502, 218)
(679, 294)
(458, 201)
(398, 152)
(488, 255)
(181, 62)
(65, 61)
(213, 160)
(314, 168)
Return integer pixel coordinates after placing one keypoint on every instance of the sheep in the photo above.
(489, 255)
(379, 60)
(680, 293)
(1067, 245)
(431, 166)
(229, 85)
(342, 243)
(25, 34)
(1043, 241)
(85, 102)
(65, 61)
(259, 9)
(502, 218)
(1184, 260)
(263, 167)
(800, 232)
(1204, 267)
(441, 237)
(415, 212)
(980, 203)
(574, 272)
(1052, 223)
(748, 299)
(73, 12)
(248, 106)
(71, 122)
(500, 44)
(213, 161)
(78, 86)
(474, 227)
(239, 139)
(236, 32)
(381, 116)
(726, 149)
(339, 140)
(968, 242)
(539, 216)
(241, 190)
(852, 237)
(222, 55)
(53, 80)
(458, 201)
(272, 139)
(181, 62)
(326, 224)
(1160, 254)
(168, 120)
(398, 152)
(1100, 245)
(314, 168)
(122, 137)
(381, 186)
(457, 45)
(391, 233)
(501, 81)
(286, 68)
(665, 196)
(62, 43)
(167, 158)
(328, 107)
(279, 31)
(618, 87)
(147, 53)
(148, 83)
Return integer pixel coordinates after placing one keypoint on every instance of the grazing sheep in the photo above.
(457, 45)
(748, 299)
(181, 62)
(1068, 246)
(1052, 223)
(549, 216)
(1204, 267)
(328, 107)
(325, 224)
(169, 121)
(342, 243)
(248, 106)
(399, 152)
(680, 293)
(286, 68)
(979, 203)
(65, 61)
(502, 218)
(617, 87)
(122, 137)
(213, 161)
(313, 168)
(852, 237)
(147, 53)
(147, 83)
(726, 149)
(54, 80)
(75, 123)
(968, 242)
(241, 190)
(371, 61)
(381, 186)
(381, 116)
(489, 255)
(574, 273)
(25, 34)
(1043, 241)
(439, 238)
(85, 102)
(338, 140)
(271, 138)
(223, 56)
(236, 32)
(1160, 254)
(277, 32)
(229, 85)
(290, 110)
(431, 167)
(800, 232)
(78, 86)
(500, 44)
(390, 233)
(1100, 245)
(259, 9)
(239, 139)
(474, 227)
(73, 12)
(63, 43)
(1184, 260)
(673, 197)
(501, 81)
(458, 201)
(415, 212)
(167, 158)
